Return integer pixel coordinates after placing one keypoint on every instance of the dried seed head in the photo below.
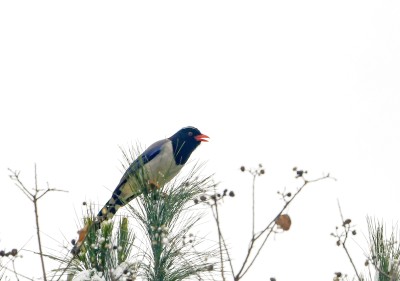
(262, 171)
(210, 267)
(231, 193)
(14, 252)
(288, 194)
(272, 279)
(366, 263)
(354, 232)
(338, 243)
(84, 203)
(196, 201)
(73, 241)
(242, 168)
(338, 274)
(203, 198)
(347, 221)
(2, 253)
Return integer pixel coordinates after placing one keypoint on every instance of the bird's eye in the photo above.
(190, 134)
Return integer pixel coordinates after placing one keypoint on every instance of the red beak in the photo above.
(201, 137)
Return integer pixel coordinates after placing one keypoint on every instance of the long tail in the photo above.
(106, 213)
(110, 208)
(122, 195)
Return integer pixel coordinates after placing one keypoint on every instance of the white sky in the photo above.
(283, 83)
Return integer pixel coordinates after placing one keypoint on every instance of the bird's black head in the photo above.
(184, 142)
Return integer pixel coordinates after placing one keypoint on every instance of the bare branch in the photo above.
(50, 189)
(346, 226)
(15, 271)
(34, 197)
(15, 177)
(248, 262)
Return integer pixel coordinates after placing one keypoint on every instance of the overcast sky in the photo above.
(313, 84)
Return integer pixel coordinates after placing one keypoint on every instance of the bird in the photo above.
(155, 167)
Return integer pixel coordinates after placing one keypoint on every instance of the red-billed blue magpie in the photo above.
(156, 166)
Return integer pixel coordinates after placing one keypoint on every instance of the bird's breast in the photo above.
(163, 168)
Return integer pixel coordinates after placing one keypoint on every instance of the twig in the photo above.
(254, 204)
(221, 241)
(248, 262)
(34, 198)
(15, 272)
(346, 232)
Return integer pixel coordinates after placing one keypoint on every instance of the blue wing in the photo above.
(122, 195)
(148, 155)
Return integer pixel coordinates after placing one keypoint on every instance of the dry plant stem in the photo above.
(64, 270)
(346, 232)
(226, 250)
(221, 241)
(248, 262)
(15, 272)
(12, 260)
(253, 236)
(370, 274)
(34, 198)
(254, 204)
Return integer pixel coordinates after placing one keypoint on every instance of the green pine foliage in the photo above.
(153, 238)
(105, 249)
(167, 217)
(384, 250)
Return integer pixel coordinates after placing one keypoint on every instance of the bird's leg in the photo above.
(153, 185)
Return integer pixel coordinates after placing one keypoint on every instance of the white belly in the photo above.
(158, 172)
(162, 168)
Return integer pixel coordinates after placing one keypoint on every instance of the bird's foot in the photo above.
(153, 185)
